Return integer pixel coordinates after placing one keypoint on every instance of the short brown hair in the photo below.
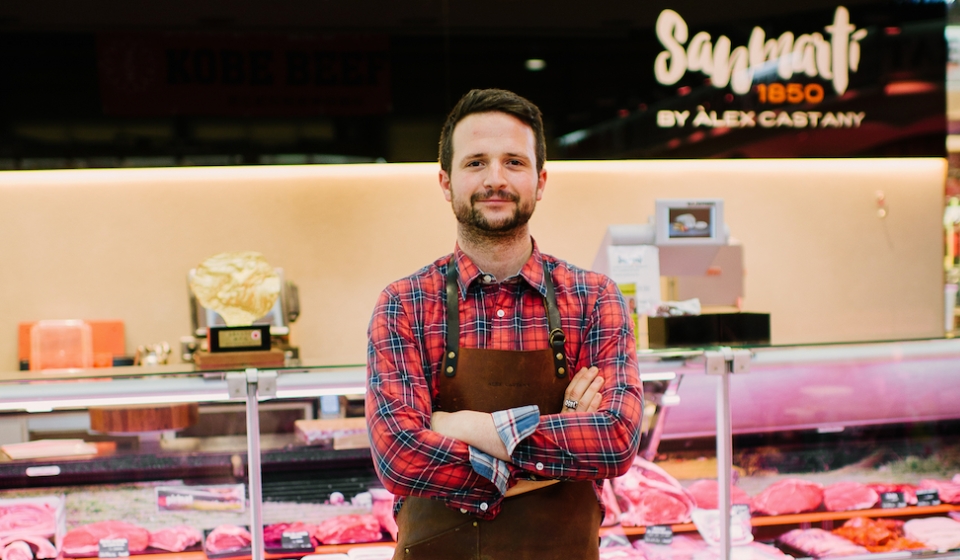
(486, 101)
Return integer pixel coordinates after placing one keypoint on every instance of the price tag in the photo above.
(114, 548)
(295, 540)
(889, 500)
(658, 534)
(928, 497)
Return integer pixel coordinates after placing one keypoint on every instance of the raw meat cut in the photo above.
(227, 538)
(41, 546)
(941, 533)
(847, 496)
(175, 539)
(383, 510)
(791, 495)
(686, 547)
(313, 432)
(909, 491)
(620, 553)
(17, 550)
(817, 542)
(611, 513)
(949, 491)
(85, 540)
(345, 529)
(706, 494)
(651, 496)
(880, 535)
(683, 547)
(273, 534)
(28, 518)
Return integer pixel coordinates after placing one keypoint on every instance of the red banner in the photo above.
(241, 74)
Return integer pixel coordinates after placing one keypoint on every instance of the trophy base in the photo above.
(236, 360)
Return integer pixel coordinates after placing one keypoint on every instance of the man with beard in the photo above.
(495, 449)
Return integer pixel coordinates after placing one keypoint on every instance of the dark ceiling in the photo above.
(598, 57)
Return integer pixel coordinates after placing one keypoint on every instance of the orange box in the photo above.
(108, 341)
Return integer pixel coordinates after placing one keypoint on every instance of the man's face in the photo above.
(493, 184)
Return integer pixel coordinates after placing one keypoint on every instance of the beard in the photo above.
(477, 224)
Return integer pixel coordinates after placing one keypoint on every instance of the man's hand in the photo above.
(471, 427)
(584, 389)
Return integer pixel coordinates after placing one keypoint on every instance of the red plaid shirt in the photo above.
(407, 334)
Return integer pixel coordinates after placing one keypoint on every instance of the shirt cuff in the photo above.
(491, 468)
(516, 424)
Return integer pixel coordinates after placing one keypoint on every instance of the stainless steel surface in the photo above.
(255, 485)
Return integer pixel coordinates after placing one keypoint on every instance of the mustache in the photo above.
(491, 194)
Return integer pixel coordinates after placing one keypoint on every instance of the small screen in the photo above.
(690, 222)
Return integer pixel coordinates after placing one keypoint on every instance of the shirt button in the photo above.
(488, 279)
(500, 313)
(483, 506)
(539, 466)
(463, 510)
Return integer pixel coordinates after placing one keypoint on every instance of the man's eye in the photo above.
(473, 164)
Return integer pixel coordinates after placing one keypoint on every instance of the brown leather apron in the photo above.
(557, 522)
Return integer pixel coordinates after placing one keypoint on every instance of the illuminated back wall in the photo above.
(117, 244)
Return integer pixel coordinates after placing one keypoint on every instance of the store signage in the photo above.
(928, 497)
(890, 500)
(658, 534)
(296, 540)
(113, 548)
(808, 53)
(221, 497)
(242, 74)
(846, 80)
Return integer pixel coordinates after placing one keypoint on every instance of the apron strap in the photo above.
(452, 350)
(453, 320)
(557, 337)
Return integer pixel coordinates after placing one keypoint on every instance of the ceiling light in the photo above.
(535, 64)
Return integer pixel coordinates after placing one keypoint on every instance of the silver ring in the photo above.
(570, 403)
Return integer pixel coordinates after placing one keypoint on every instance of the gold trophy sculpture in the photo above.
(241, 287)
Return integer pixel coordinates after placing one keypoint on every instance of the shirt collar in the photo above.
(531, 271)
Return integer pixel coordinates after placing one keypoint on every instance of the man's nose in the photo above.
(496, 177)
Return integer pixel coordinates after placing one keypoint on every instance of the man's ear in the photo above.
(541, 183)
(445, 185)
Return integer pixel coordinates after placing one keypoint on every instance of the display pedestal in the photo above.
(234, 360)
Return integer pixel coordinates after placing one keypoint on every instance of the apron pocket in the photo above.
(460, 542)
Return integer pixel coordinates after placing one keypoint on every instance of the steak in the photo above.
(41, 547)
(940, 533)
(949, 491)
(227, 538)
(273, 534)
(383, 510)
(175, 539)
(85, 540)
(706, 494)
(611, 513)
(847, 496)
(909, 491)
(791, 495)
(817, 543)
(17, 550)
(28, 518)
(345, 529)
(651, 496)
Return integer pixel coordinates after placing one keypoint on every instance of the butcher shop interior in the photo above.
(773, 187)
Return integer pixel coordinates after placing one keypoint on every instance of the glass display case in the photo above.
(806, 436)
